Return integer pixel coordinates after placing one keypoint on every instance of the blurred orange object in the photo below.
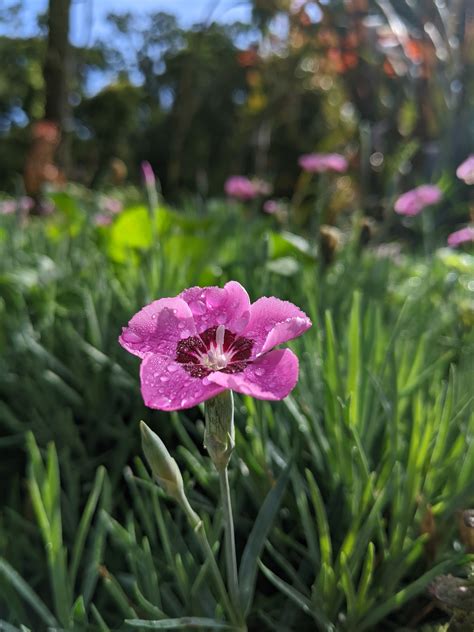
(40, 165)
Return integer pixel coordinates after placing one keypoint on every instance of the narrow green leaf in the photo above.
(28, 594)
(258, 535)
(401, 597)
(85, 523)
(325, 545)
(178, 624)
(103, 627)
(298, 598)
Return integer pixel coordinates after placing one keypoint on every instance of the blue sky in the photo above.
(188, 11)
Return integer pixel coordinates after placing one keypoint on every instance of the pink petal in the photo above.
(240, 187)
(465, 171)
(211, 306)
(272, 322)
(414, 201)
(461, 236)
(271, 376)
(336, 162)
(158, 327)
(165, 385)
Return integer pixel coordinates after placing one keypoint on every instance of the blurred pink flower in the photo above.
(320, 163)
(101, 219)
(414, 201)
(241, 188)
(148, 174)
(7, 207)
(461, 236)
(261, 186)
(112, 205)
(25, 204)
(271, 206)
(209, 339)
(465, 171)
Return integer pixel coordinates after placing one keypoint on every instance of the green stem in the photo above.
(198, 526)
(229, 536)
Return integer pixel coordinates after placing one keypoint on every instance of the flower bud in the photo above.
(219, 433)
(164, 468)
(148, 174)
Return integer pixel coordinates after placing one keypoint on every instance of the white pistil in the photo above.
(216, 358)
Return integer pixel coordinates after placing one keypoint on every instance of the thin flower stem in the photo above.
(229, 536)
(198, 526)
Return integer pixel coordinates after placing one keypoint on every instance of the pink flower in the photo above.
(112, 205)
(101, 219)
(7, 207)
(241, 188)
(319, 163)
(461, 236)
(148, 174)
(271, 206)
(465, 171)
(206, 340)
(25, 204)
(414, 201)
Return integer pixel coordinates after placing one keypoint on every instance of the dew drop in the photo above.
(164, 378)
(172, 368)
(259, 372)
(198, 307)
(206, 381)
(131, 336)
(214, 297)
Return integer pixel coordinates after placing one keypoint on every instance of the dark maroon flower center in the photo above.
(216, 349)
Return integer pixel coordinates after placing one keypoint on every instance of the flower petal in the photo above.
(211, 306)
(272, 322)
(271, 376)
(165, 385)
(158, 327)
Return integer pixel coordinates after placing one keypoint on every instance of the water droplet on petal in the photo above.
(164, 378)
(206, 381)
(131, 336)
(172, 367)
(197, 307)
(214, 297)
(259, 372)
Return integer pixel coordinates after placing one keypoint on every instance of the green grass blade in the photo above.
(256, 540)
(180, 624)
(28, 594)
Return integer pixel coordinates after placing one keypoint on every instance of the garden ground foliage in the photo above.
(350, 489)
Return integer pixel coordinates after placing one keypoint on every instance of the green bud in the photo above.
(219, 433)
(164, 467)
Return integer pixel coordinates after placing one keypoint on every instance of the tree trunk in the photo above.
(56, 68)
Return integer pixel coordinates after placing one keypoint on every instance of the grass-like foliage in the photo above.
(346, 495)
